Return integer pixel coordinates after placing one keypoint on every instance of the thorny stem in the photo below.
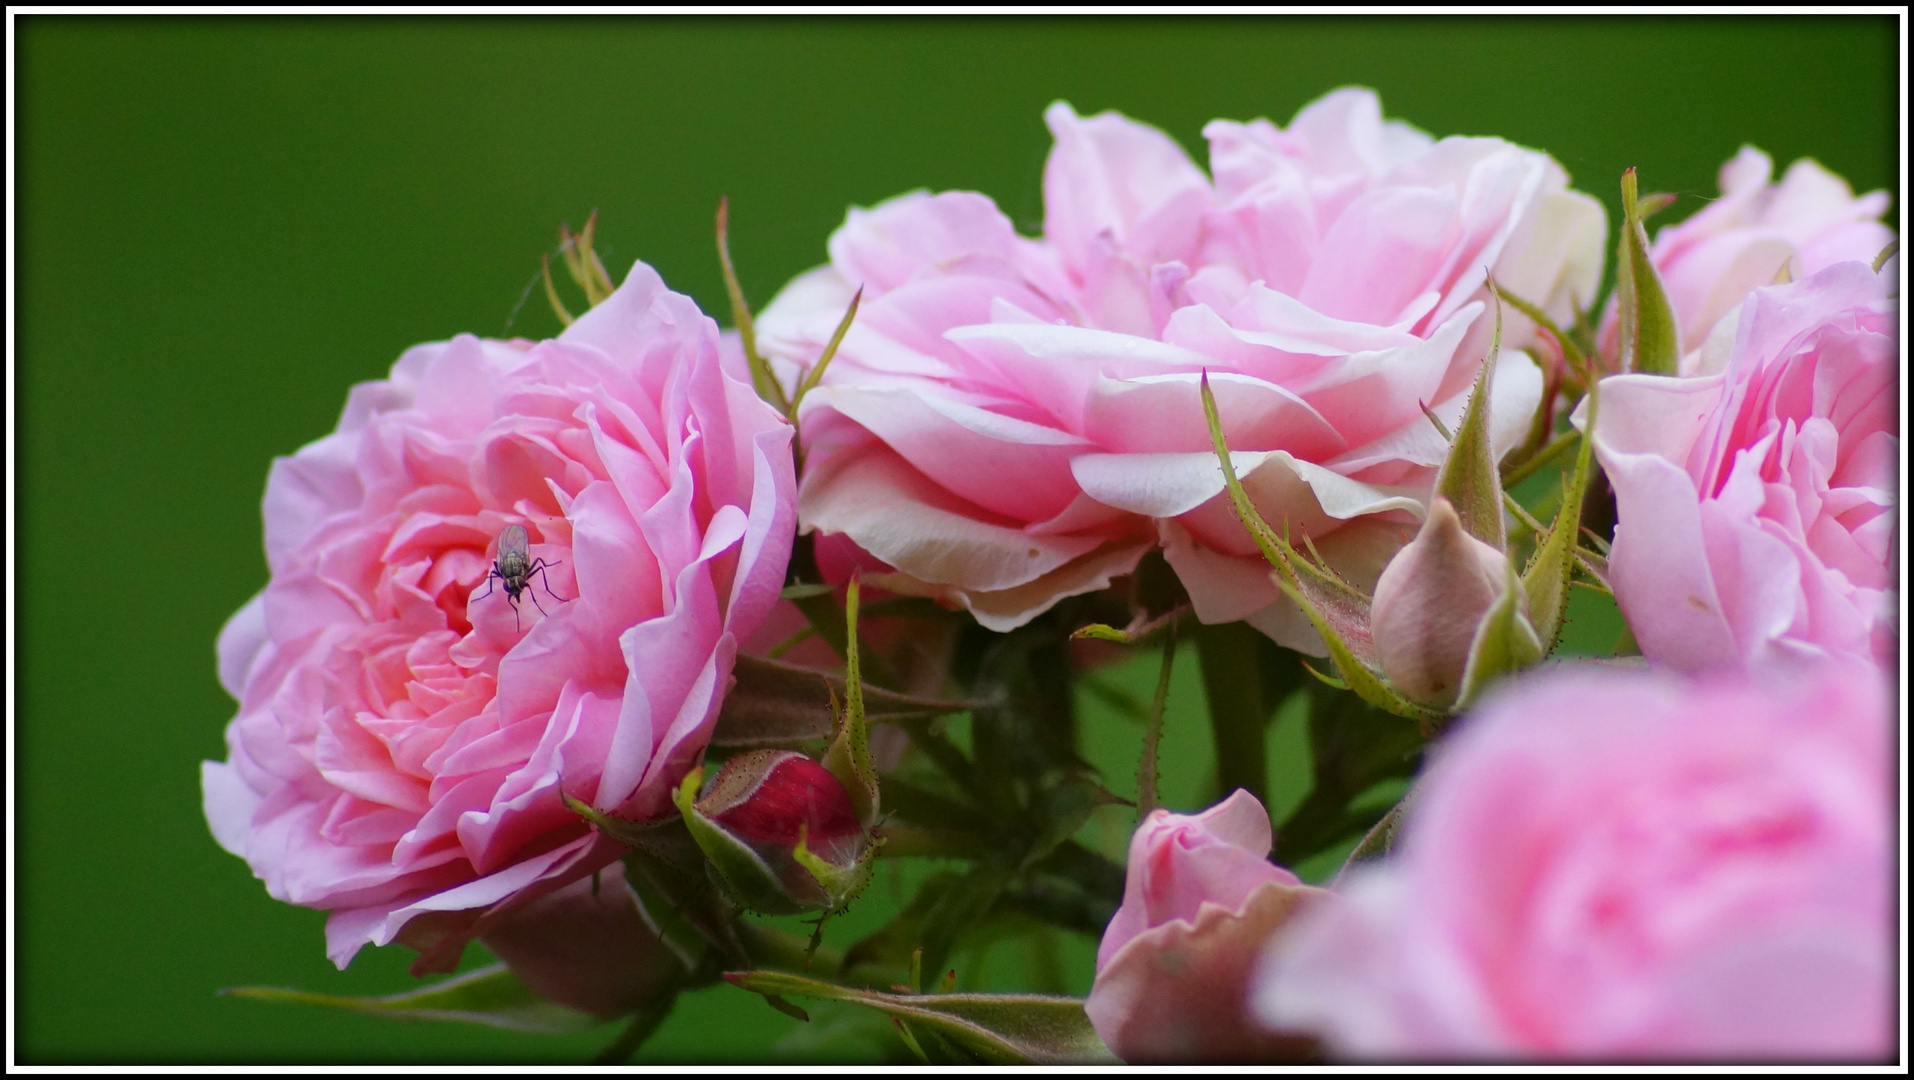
(1153, 729)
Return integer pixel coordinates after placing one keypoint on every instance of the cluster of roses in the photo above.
(1686, 856)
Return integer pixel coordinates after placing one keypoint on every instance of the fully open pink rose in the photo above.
(1614, 865)
(404, 733)
(1199, 899)
(1746, 238)
(1013, 420)
(1755, 506)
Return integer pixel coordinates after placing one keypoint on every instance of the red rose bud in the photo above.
(781, 832)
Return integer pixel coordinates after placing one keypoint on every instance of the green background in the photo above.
(224, 223)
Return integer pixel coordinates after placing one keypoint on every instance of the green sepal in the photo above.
(748, 881)
(1339, 613)
(1469, 478)
(841, 883)
(762, 378)
(1546, 580)
(1505, 642)
(1337, 603)
(1650, 342)
(491, 996)
(998, 1029)
(775, 704)
(849, 755)
(816, 375)
(1355, 675)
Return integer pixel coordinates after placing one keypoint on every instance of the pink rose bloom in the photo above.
(1743, 240)
(1011, 421)
(1756, 505)
(404, 731)
(1199, 899)
(1623, 865)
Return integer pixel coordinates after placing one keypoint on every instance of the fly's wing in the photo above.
(513, 544)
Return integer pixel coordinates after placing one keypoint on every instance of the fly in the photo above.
(514, 568)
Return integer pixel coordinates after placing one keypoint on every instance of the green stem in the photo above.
(1153, 730)
(1229, 654)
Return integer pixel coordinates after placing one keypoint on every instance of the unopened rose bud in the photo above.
(1429, 601)
(780, 831)
(1200, 898)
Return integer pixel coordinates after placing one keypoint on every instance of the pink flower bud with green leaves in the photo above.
(781, 832)
(1429, 601)
(1200, 897)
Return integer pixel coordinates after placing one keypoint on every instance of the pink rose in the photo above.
(1199, 898)
(1744, 239)
(1011, 421)
(1617, 864)
(404, 729)
(1755, 505)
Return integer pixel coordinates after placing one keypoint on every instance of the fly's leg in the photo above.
(489, 578)
(538, 567)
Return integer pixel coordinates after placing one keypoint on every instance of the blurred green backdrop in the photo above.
(224, 223)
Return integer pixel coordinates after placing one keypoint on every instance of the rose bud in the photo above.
(1200, 898)
(1429, 601)
(781, 832)
(588, 946)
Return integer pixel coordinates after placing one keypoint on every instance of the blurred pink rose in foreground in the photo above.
(403, 734)
(1200, 897)
(1011, 421)
(1617, 865)
(1756, 505)
(1744, 239)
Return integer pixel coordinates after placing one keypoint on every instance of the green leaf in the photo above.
(1505, 642)
(1650, 342)
(1546, 579)
(1469, 478)
(958, 908)
(491, 996)
(1000, 1029)
(891, 947)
